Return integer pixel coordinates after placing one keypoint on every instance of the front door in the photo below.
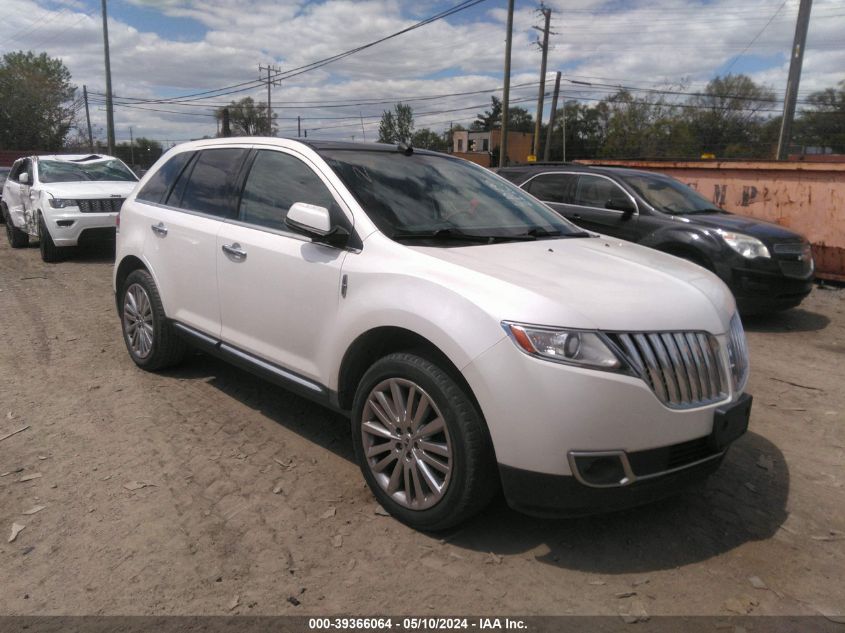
(279, 291)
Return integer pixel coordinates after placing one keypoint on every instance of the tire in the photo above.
(50, 253)
(398, 468)
(16, 237)
(151, 339)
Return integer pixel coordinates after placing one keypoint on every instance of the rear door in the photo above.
(279, 291)
(181, 236)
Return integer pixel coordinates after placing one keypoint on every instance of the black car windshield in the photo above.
(430, 196)
(67, 171)
(669, 195)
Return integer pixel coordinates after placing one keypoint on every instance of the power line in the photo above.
(249, 85)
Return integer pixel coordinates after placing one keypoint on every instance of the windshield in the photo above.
(669, 195)
(434, 196)
(66, 171)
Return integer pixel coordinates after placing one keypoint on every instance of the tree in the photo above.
(726, 120)
(823, 123)
(426, 139)
(396, 126)
(247, 118)
(144, 151)
(36, 102)
(519, 119)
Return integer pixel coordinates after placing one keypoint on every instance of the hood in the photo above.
(765, 231)
(88, 189)
(592, 283)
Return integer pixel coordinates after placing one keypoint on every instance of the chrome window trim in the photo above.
(575, 204)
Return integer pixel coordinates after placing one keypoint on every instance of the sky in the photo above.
(164, 50)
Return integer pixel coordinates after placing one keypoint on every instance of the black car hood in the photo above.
(765, 231)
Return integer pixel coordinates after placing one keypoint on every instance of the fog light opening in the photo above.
(65, 223)
(604, 470)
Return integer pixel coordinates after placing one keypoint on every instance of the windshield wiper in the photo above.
(540, 232)
(441, 234)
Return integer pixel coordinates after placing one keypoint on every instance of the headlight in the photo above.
(745, 245)
(574, 347)
(61, 203)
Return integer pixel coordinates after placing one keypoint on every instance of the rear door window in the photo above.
(275, 182)
(558, 188)
(159, 184)
(212, 185)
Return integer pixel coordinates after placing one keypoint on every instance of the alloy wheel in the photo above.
(406, 443)
(138, 320)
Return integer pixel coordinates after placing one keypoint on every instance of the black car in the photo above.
(766, 266)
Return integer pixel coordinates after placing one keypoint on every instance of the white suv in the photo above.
(63, 200)
(476, 339)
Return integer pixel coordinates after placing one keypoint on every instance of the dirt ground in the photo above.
(251, 502)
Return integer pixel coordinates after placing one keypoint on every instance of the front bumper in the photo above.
(67, 229)
(765, 287)
(540, 494)
(541, 413)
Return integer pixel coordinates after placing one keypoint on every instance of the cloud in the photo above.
(639, 43)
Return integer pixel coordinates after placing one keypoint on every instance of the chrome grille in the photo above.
(738, 354)
(100, 205)
(682, 368)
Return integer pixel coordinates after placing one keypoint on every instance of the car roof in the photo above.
(545, 168)
(315, 145)
(74, 158)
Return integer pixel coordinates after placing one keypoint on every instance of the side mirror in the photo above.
(315, 221)
(624, 205)
(24, 178)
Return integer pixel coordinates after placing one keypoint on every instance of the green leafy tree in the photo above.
(726, 119)
(427, 139)
(519, 119)
(822, 123)
(248, 118)
(397, 126)
(36, 102)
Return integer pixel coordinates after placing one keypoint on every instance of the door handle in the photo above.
(234, 252)
(159, 229)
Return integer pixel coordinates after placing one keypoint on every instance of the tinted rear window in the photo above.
(211, 187)
(160, 183)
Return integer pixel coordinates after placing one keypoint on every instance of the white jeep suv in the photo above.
(475, 338)
(64, 200)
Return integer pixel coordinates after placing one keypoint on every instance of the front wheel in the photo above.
(150, 337)
(50, 253)
(421, 443)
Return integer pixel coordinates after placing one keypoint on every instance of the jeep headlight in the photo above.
(573, 347)
(747, 246)
(61, 203)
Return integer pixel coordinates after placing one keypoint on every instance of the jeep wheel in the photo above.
(421, 443)
(150, 337)
(16, 237)
(49, 251)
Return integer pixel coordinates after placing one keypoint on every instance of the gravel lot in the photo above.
(251, 502)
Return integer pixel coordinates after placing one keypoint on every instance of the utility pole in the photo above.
(227, 131)
(88, 119)
(547, 14)
(131, 148)
(298, 126)
(794, 79)
(270, 83)
(563, 132)
(552, 119)
(109, 104)
(363, 133)
(506, 91)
